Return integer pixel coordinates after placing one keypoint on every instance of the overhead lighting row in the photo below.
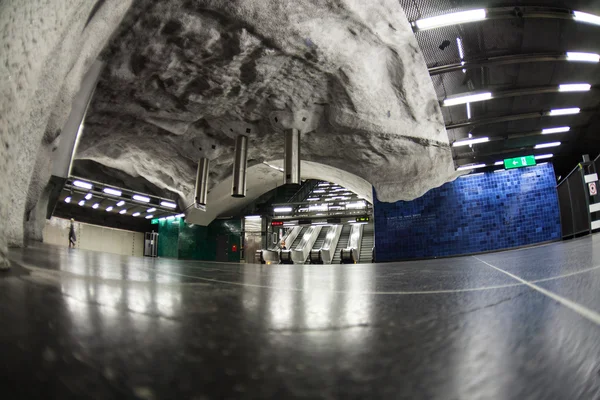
(119, 204)
(115, 192)
(480, 15)
(485, 139)
(474, 98)
(477, 166)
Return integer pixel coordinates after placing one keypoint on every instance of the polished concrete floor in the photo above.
(521, 324)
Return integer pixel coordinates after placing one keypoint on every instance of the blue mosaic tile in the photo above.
(476, 213)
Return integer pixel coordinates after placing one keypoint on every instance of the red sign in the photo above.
(234, 248)
(277, 223)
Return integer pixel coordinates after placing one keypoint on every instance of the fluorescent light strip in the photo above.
(82, 184)
(150, 210)
(544, 156)
(149, 216)
(253, 217)
(136, 214)
(113, 192)
(81, 202)
(585, 17)
(180, 216)
(574, 87)
(470, 141)
(68, 199)
(472, 98)
(109, 209)
(499, 163)
(586, 57)
(96, 206)
(451, 19)
(561, 129)
(564, 111)
(140, 198)
(468, 110)
(88, 196)
(122, 212)
(468, 167)
(282, 209)
(168, 204)
(119, 204)
(461, 53)
(546, 145)
(170, 217)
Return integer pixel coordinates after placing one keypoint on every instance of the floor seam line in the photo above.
(583, 311)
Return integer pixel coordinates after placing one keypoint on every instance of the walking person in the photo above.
(72, 237)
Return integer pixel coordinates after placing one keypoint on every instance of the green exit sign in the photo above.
(154, 221)
(362, 219)
(519, 162)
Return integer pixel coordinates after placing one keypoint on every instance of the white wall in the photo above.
(94, 237)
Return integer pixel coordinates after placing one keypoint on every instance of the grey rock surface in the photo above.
(46, 47)
(184, 77)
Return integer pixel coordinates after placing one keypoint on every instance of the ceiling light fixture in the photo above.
(574, 87)
(499, 163)
(88, 196)
(180, 216)
(68, 199)
(96, 206)
(82, 184)
(170, 217)
(150, 210)
(149, 216)
(561, 129)
(113, 192)
(461, 53)
(282, 209)
(472, 98)
(168, 204)
(468, 110)
(253, 217)
(587, 57)
(564, 111)
(136, 214)
(470, 141)
(140, 198)
(122, 212)
(544, 156)
(472, 166)
(119, 204)
(451, 19)
(81, 202)
(585, 17)
(546, 145)
(109, 209)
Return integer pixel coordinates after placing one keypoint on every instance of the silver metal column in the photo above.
(202, 182)
(291, 157)
(238, 188)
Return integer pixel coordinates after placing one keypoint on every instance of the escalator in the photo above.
(342, 243)
(366, 245)
(298, 239)
(320, 240)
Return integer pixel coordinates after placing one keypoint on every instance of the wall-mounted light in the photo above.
(470, 141)
(168, 204)
(472, 98)
(451, 19)
(560, 129)
(140, 198)
(112, 192)
(83, 185)
(546, 145)
(564, 111)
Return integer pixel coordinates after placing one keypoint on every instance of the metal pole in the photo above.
(202, 182)
(238, 187)
(291, 157)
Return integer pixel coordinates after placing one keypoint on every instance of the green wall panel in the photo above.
(168, 238)
(211, 243)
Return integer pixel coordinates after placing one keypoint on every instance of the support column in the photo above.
(238, 187)
(291, 157)
(201, 192)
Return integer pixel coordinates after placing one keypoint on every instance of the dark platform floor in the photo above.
(522, 324)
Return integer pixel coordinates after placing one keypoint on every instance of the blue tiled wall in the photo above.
(483, 212)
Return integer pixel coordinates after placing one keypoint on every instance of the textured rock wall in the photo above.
(185, 76)
(46, 48)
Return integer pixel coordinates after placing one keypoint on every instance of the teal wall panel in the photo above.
(211, 243)
(168, 238)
